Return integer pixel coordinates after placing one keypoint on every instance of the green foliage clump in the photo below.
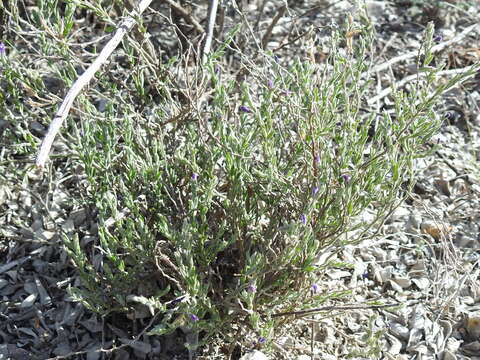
(214, 208)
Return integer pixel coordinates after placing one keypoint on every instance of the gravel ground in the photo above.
(425, 257)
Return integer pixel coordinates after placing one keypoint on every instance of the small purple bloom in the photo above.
(2, 48)
(315, 288)
(315, 190)
(317, 159)
(262, 340)
(194, 176)
(346, 178)
(193, 317)
(270, 84)
(244, 109)
(276, 58)
(303, 219)
(251, 288)
(365, 275)
(437, 38)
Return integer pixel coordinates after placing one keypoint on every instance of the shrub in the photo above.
(216, 197)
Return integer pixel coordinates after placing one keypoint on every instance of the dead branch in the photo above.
(268, 33)
(333, 308)
(84, 79)
(399, 84)
(414, 53)
(212, 14)
(185, 15)
(305, 33)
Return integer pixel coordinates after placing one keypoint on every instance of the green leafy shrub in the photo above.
(223, 199)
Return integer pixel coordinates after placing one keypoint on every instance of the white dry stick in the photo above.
(434, 49)
(387, 91)
(84, 79)
(212, 14)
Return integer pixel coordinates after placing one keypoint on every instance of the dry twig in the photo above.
(268, 33)
(414, 53)
(387, 91)
(186, 15)
(84, 79)
(212, 14)
(332, 308)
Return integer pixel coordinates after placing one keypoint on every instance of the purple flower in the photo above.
(270, 84)
(437, 38)
(303, 219)
(193, 317)
(365, 275)
(317, 159)
(194, 177)
(315, 288)
(262, 340)
(346, 178)
(315, 190)
(2, 48)
(251, 288)
(244, 109)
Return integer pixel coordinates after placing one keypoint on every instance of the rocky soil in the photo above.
(425, 258)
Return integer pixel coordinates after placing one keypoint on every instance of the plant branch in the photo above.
(186, 15)
(305, 33)
(84, 79)
(387, 91)
(212, 14)
(275, 20)
(414, 53)
(333, 308)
